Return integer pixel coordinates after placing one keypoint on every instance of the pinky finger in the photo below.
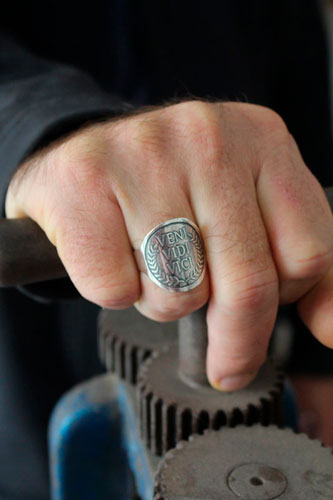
(316, 309)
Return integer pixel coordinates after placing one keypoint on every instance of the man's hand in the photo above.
(233, 169)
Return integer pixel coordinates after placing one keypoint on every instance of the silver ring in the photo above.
(174, 255)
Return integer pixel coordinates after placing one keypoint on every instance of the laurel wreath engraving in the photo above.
(172, 280)
(200, 263)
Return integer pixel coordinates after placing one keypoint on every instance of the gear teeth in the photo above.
(171, 411)
(186, 423)
(304, 463)
(122, 349)
(164, 425)
(122, 359)
(286, 431)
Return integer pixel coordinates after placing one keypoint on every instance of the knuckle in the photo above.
(167, 311)
(250, 295)
(314, 263)
(202, 132)
(281, 148)
(270, 121)
(201, 123)
(248, 363)
(196, 111)
(81, 162)
(175, 307)
(149, 138)
(273, 134)
(93, 270)
(113, 296)
(80, 174)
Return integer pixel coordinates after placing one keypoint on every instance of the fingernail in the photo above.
(234, 383)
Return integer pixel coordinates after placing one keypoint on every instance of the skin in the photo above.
(232, 168)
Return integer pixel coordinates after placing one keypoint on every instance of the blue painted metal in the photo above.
(94, 443)
(138, 459)
(87, 457)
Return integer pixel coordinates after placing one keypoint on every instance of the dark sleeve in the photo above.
(302, 83)
(41, 100)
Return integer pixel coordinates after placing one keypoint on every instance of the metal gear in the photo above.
(126, 339)
(171, 409)
(250, 463)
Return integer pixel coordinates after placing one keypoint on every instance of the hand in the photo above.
(234, 170)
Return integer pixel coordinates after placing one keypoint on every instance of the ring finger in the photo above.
(173, 257)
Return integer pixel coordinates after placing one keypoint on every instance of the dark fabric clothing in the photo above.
(65, 63)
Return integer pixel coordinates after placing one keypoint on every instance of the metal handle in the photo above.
(192, 347)
(27, 256)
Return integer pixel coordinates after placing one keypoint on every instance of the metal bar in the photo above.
(192, 347)
(26, 254)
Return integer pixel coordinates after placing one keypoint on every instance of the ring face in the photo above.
(174, 255)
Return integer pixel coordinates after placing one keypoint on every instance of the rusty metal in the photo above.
(126, 339)
(250, 463)
(171, 409)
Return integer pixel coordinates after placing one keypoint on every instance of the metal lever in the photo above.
(27, 256)
(192, 347)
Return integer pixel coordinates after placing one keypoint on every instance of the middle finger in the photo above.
(243, 277)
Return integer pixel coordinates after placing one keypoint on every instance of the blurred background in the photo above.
(328, 16)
